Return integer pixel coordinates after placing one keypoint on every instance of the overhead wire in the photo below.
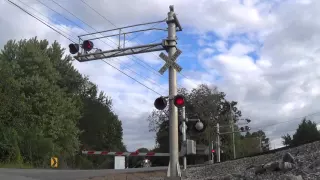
(40, 20)
(130, 39)
(126, 66)
(181, 73)
(24, 10)
(57, 31)
(281, 122)
(136, 58)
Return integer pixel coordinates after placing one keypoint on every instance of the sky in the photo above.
(261, 53)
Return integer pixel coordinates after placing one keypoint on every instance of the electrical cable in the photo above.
(40, 20)
(130, 39)
(75, 42)
(148, 66)
(294, 119)
(144, 77)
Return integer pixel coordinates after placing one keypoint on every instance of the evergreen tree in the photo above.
(306, 132)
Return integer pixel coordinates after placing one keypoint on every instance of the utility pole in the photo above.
(232, 129)
(218, 143)
(83, 51)
(184, 135)
(173, 117)
(212, 154)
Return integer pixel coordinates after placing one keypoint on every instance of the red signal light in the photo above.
(87, 45)
(213, 151)
(179, 101)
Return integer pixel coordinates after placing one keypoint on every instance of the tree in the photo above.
(252, 143)
(287, 140)
(101, 129)
(306, 132)
(264, 141)
(203, 102)
(39, 108)
(47, 108)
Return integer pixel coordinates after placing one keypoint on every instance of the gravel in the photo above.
(299, 163)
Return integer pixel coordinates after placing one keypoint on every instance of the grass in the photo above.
(13, 165)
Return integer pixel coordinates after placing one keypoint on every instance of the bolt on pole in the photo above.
(173, 117)
(184, 135)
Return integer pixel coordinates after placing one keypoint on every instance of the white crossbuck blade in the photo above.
(170, 62)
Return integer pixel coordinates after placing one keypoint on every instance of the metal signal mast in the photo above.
(84, 52)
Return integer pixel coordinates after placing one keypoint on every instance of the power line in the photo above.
(132, 78)
(148, 66)
(294, 119)
(117, 27)
(139, 60)
(40, 20)
(144, 77)
(130, 39)
(75, 42)
(52, 24)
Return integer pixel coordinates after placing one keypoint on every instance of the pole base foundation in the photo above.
(178, 171)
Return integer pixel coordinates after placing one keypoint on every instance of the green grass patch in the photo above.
(19, 166)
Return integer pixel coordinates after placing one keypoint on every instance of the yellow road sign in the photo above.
(54, 162)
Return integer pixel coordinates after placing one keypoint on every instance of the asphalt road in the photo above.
(48, 174)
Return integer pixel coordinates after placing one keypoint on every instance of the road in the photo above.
(47, 174)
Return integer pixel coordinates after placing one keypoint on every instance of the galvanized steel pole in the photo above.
(184, 135)
(173, 117)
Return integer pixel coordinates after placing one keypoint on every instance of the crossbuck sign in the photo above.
(170, 61)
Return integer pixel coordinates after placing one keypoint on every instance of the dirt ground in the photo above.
(132, 176)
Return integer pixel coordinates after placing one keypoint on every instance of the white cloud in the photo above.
(280, 85)
(239, 49)
(283, 83)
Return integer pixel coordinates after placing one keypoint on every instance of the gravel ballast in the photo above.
(299, 163)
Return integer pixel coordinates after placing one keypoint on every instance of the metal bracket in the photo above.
(120, 52)
(166, 45)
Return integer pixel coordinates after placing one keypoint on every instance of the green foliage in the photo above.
(252, 143)
(287, 140)
(47, 108)
(206, 103)
(306, 132)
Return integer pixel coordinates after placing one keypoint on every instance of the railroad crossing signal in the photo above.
(74, 48)
(246, 128)
(170, 62)
(179, 101)
(54, 162)
(161, 103)
(87, 45)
